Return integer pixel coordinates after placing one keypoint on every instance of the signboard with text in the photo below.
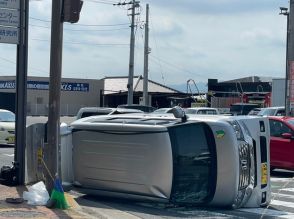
(9, 35)
(44, 85)
(12, 4)
(9, 21)
(9, 17)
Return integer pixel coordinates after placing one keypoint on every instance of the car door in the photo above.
(282, 149)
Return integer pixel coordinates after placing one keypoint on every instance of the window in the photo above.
(207, 112)
(39, 100)
(7, 116)
(277, 128)
(194, 159)
(281, 113)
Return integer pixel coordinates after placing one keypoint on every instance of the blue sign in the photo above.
(44, 85)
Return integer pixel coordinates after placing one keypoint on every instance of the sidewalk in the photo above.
(23, 210)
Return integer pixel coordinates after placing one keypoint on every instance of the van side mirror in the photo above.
(287, 136)
(179, 113)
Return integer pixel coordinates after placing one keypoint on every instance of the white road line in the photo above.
(268, 212)
(281, 179)
(288, 189)
(9, 155)
(282, 203)
(277, 195)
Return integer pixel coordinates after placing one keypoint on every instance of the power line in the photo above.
(176, 67)
(81, 30)
(160, 66)
(85, 43)
(102, 2)
(13, 62)
(86, 25)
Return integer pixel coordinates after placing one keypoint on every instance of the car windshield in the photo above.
(267, 112)
(163, 110)
(190, 111)
(7, 117)
(195, 167)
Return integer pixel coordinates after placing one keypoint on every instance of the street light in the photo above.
(284, 11)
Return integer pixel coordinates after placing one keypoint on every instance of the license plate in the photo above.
(263, 173)
(11, 140)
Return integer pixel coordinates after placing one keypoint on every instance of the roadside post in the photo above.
(62, 11)
(14, 30)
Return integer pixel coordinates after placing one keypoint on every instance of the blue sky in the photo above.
(189, 39)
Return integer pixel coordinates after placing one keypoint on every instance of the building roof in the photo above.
(119, 84)
(251, 79)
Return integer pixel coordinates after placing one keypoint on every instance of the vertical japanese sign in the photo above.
(9, 21)
(291, 84)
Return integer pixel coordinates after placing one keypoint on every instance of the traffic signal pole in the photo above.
(62, 11)
(53, 133)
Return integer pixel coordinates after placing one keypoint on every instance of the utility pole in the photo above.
(53, 133)
(134, 4)
(284, 11)
(146, 53)
(290, 53)
(132, 53)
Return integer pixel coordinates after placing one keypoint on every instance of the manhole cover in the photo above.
(22, 214)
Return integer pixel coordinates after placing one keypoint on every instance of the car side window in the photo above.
(277, 128)
(281, 113)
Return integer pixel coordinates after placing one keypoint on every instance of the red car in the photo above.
(282, 142)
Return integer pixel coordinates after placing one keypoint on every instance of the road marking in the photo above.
(288, 189)
(282, 203)
(281, 179)
(9, 155)
(268, 212)
(277, 195)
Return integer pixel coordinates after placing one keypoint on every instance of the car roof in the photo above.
(244, 104)
(281, 118)
(202, 108)
(5, 110)
(274, 107)
(162, 120)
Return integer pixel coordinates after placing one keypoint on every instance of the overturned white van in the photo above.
(209, 160)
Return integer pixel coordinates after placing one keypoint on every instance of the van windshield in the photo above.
(194, 157)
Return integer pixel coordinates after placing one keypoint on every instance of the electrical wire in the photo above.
(177, 67)
(81, 30)
(101, 2)
(85, 43)
(86, 25)
(155, 41)
(13, 62)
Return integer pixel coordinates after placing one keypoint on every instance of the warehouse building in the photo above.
(77, 93)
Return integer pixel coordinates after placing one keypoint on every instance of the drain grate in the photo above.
(22, 214)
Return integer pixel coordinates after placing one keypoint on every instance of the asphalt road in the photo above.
(282, 204)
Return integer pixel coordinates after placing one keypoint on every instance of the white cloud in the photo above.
(197, 39)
